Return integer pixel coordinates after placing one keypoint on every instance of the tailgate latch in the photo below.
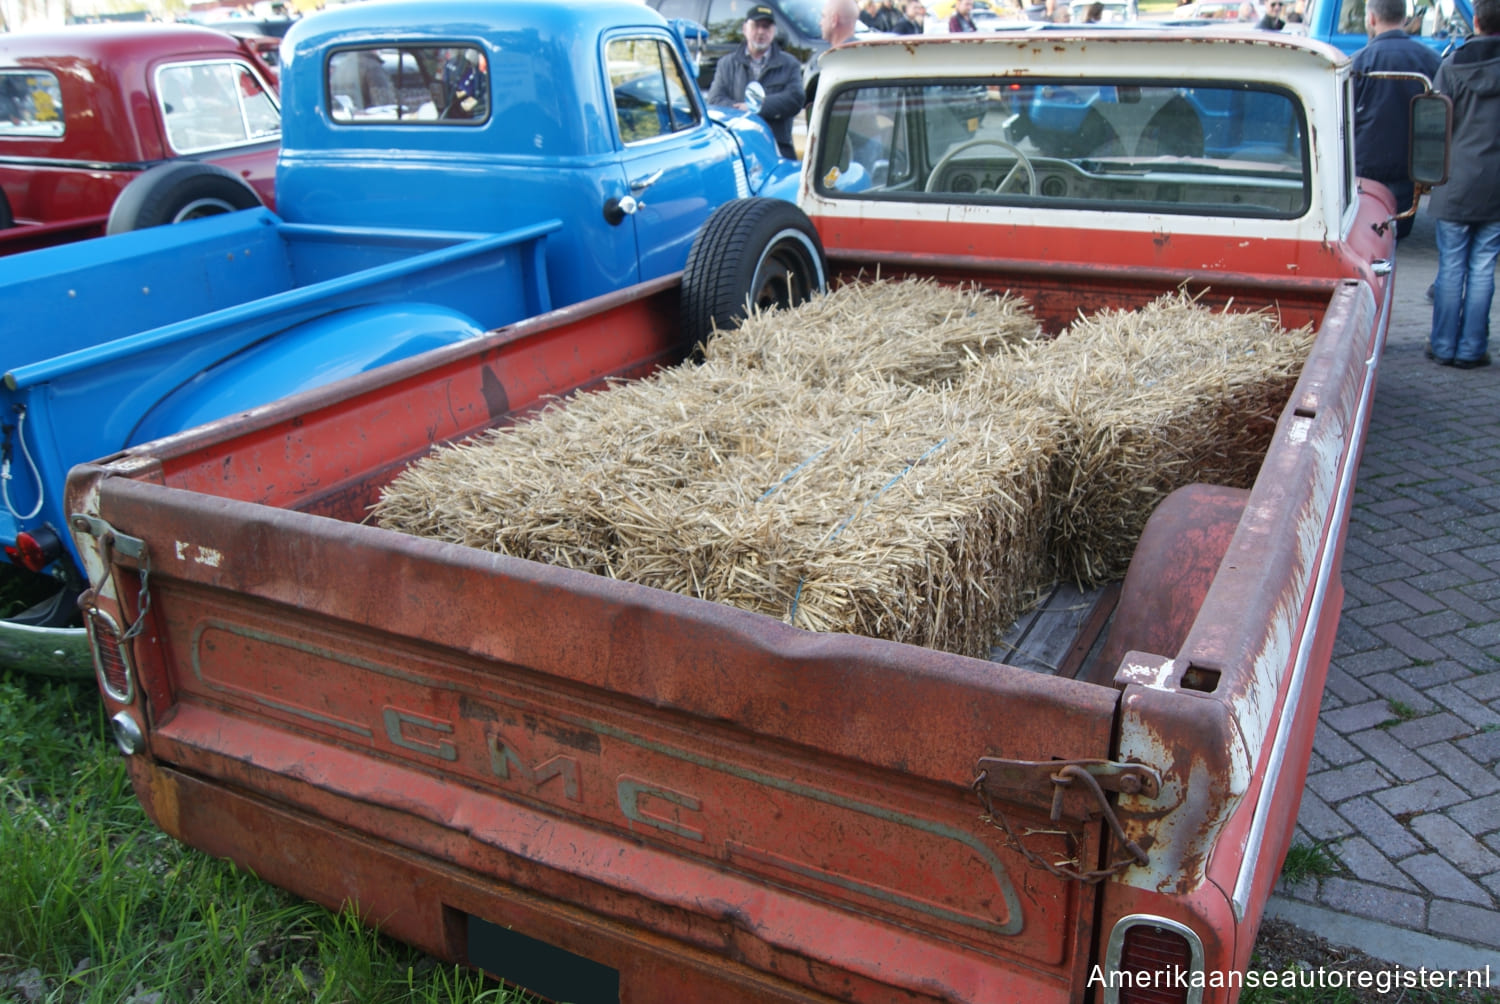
(112, 542)
(1076, 789)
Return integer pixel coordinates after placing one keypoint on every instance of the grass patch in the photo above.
(1404, 713)
(1402, 710)
(98, 905)
(1304, 861)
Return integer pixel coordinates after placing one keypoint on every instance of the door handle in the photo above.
(641, 184)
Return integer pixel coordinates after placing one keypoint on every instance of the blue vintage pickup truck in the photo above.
(446, 168)
(1440, 24)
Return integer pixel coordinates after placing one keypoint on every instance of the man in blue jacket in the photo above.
(1382, 106)
(761, 60)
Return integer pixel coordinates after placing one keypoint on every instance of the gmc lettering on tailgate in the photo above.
(877, 844)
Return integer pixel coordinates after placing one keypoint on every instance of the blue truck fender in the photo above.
(768, 173)
(308, 355)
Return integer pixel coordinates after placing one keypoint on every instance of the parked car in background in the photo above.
(265, 34)
(1219, 10)
(1112, 11)
(87, 110)
(797, 29)
(273, 27)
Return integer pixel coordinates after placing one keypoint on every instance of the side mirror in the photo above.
(1431, 134)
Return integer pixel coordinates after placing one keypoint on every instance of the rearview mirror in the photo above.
(1431, 133)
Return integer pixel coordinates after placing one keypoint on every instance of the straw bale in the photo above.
(899, 460)
(909, 519)
(803, 471)
(1150, 400)
(914, 331)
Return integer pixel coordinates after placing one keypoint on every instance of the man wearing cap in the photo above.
(761, 60)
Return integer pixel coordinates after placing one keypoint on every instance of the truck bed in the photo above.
(669, 788)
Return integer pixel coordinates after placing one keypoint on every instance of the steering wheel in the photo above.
(1023, 163)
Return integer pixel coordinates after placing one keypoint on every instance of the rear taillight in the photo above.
(36, 549)
(1152, 960)
(111, 660)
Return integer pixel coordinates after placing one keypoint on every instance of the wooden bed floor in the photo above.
(1060, 634)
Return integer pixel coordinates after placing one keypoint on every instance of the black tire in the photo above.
(178, 191)
(6, 219)
(751, 253)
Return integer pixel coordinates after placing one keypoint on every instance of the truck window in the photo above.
(215, 104)
(650, 89)
(409, 84)
(1120, 146)
(30, 104)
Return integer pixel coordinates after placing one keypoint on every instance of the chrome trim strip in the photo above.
(1240, 900)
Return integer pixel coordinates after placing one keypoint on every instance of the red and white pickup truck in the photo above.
(86, 110)
(606, 791)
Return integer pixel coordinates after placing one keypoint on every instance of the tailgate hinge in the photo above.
(1086, 781)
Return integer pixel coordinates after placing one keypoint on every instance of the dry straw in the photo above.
(1150, 400)
(888, 460)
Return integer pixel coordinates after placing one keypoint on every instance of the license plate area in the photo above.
(543, 969)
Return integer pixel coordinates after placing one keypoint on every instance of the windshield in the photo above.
(1212, 149)
(805, 14)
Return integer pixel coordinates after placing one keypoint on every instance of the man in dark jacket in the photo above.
(886, 16)
(761, 60)
(1382, 105)
(911, 21)
(1467, 206)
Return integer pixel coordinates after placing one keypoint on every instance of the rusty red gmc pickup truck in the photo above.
(605, 790)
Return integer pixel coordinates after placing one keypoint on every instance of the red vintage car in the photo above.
(106, 128)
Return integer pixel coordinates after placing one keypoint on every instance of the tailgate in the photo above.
(711, 775)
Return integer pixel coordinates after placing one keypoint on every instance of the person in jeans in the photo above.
(1382, 105)
(1467, 206)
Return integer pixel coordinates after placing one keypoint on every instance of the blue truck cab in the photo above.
(1440, 24)
(446, 168)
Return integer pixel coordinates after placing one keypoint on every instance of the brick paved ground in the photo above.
(1404, 786)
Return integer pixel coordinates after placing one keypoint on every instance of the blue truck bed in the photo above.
(126, 338)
